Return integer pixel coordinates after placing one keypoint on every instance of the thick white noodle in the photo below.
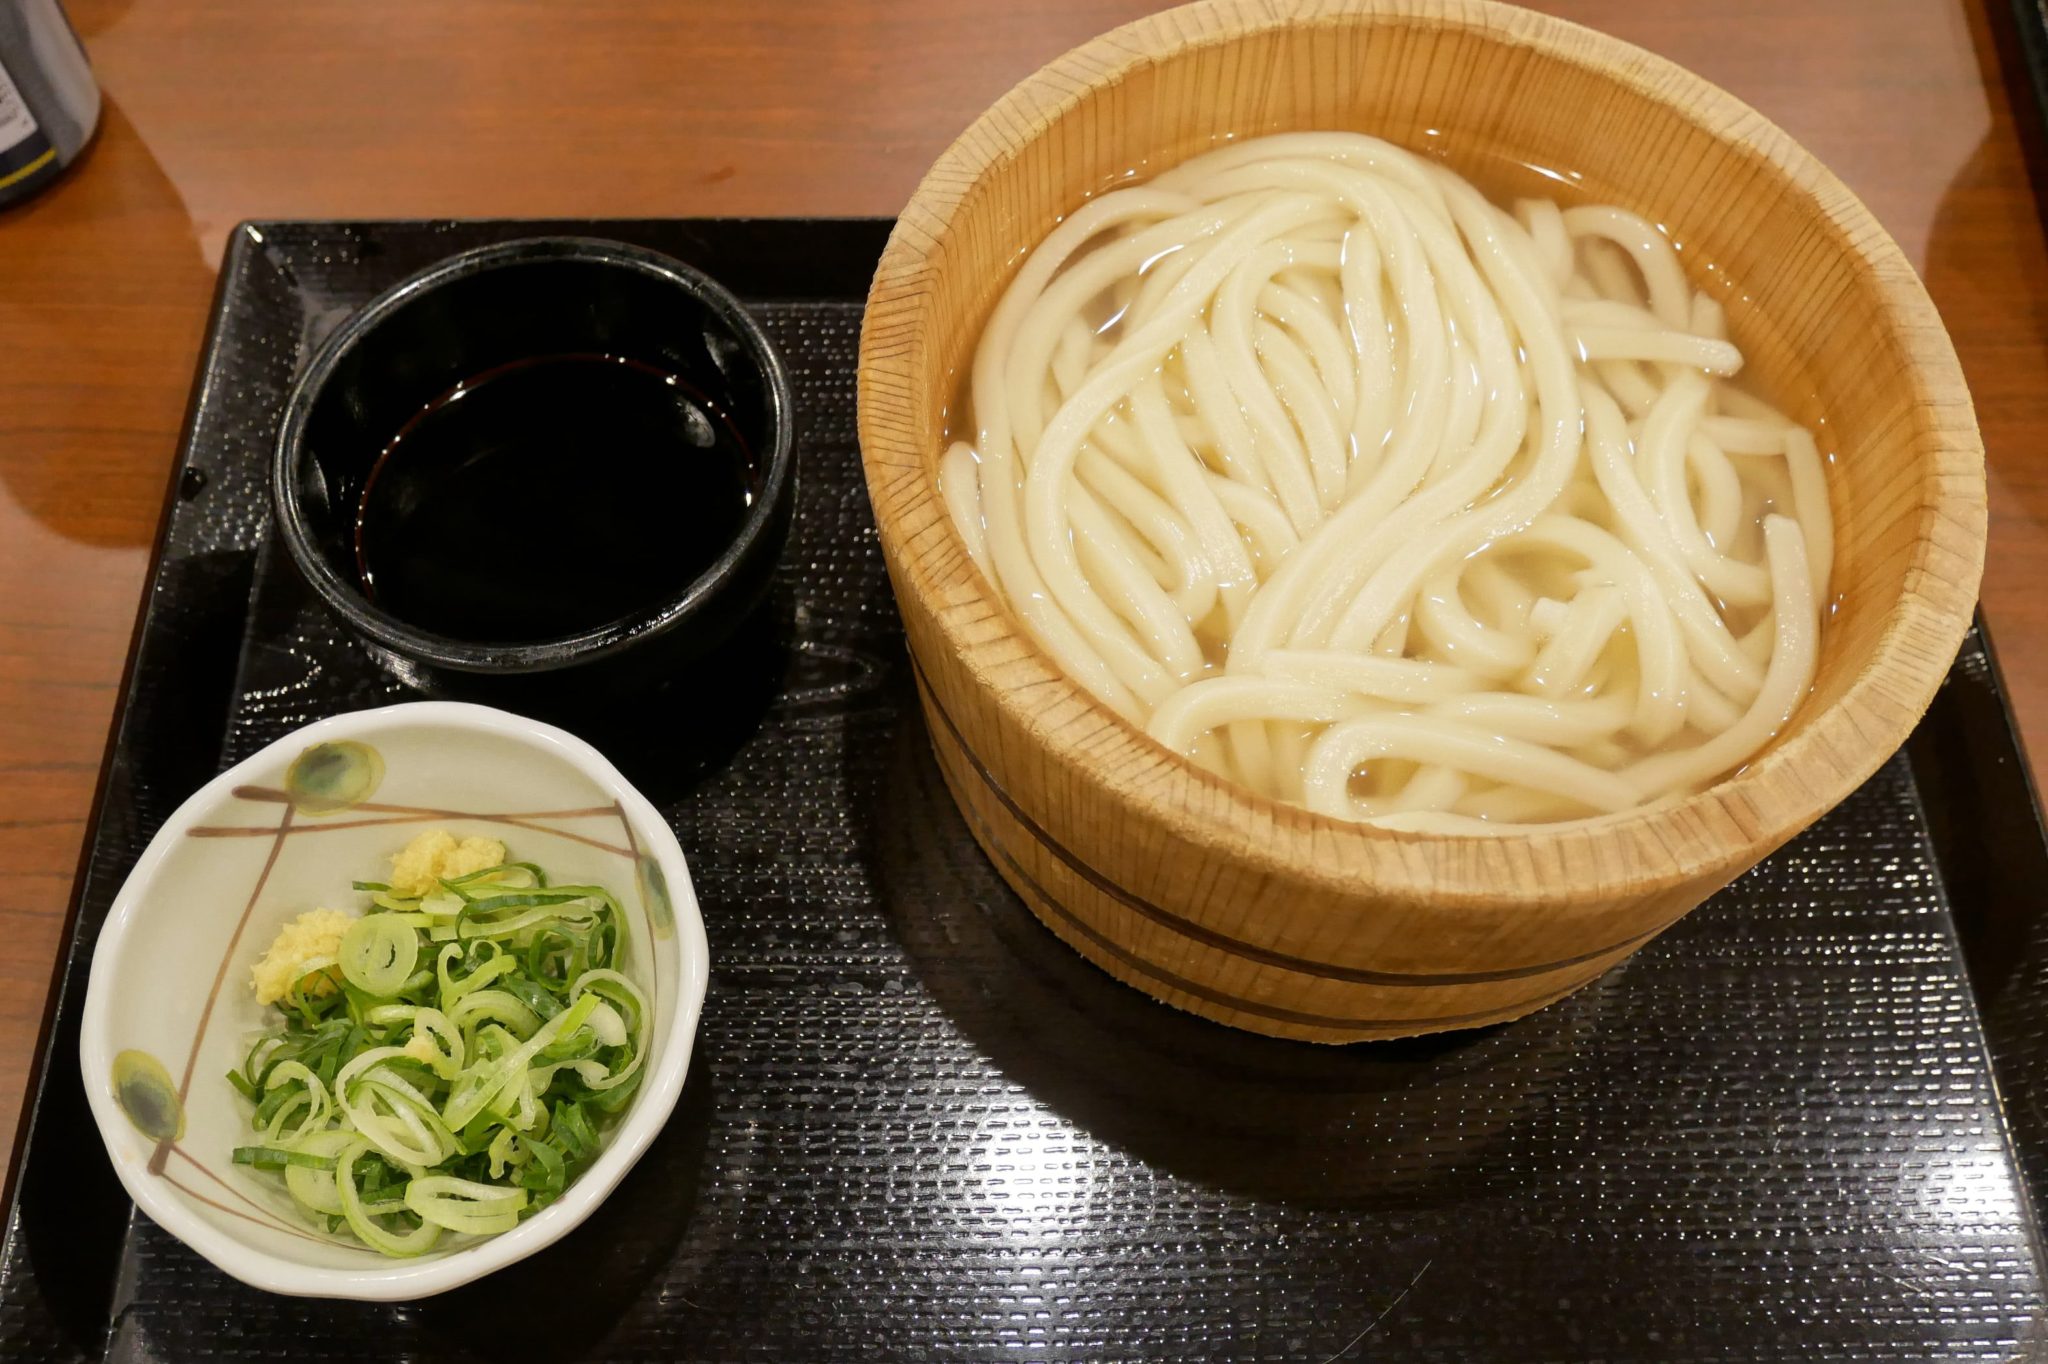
(1381, 500)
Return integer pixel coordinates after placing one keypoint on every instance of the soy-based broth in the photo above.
(551, 496)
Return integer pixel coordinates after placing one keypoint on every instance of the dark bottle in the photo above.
(49, 102)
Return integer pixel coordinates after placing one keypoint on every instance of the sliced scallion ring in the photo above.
(378, 952)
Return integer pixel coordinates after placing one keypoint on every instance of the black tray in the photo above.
(918, 1127)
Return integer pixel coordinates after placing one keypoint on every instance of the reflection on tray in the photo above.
(1268, 1119)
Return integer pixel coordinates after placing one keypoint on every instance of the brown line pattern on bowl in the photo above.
(517, 821)
(272, 795)
(1223, 941)
(192, 1160)
(191, 1192)
(284, 824)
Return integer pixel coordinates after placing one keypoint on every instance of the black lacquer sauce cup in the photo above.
(546, 455)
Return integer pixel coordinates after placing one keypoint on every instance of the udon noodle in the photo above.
(1374, 497)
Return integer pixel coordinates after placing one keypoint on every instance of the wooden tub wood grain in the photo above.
(1265, 916)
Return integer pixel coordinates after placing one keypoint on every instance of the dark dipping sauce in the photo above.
(551, 496)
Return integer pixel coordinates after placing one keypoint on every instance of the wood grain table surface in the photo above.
(220, 110)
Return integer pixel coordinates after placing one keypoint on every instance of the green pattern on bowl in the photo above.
(333, 776)
(147, 1096)
(654, 893)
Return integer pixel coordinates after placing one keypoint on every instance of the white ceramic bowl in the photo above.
(266, 840)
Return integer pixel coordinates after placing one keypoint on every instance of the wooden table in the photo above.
(219, 110)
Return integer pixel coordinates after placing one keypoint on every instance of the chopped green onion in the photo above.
(313, 1186)
(277, 1158)
(455, 1088)
(464, 1205)
(378, 952)
(362, 1220)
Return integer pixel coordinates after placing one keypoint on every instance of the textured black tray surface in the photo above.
(918, 1127)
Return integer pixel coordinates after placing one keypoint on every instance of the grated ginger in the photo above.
(435, 855)
(306, 946)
